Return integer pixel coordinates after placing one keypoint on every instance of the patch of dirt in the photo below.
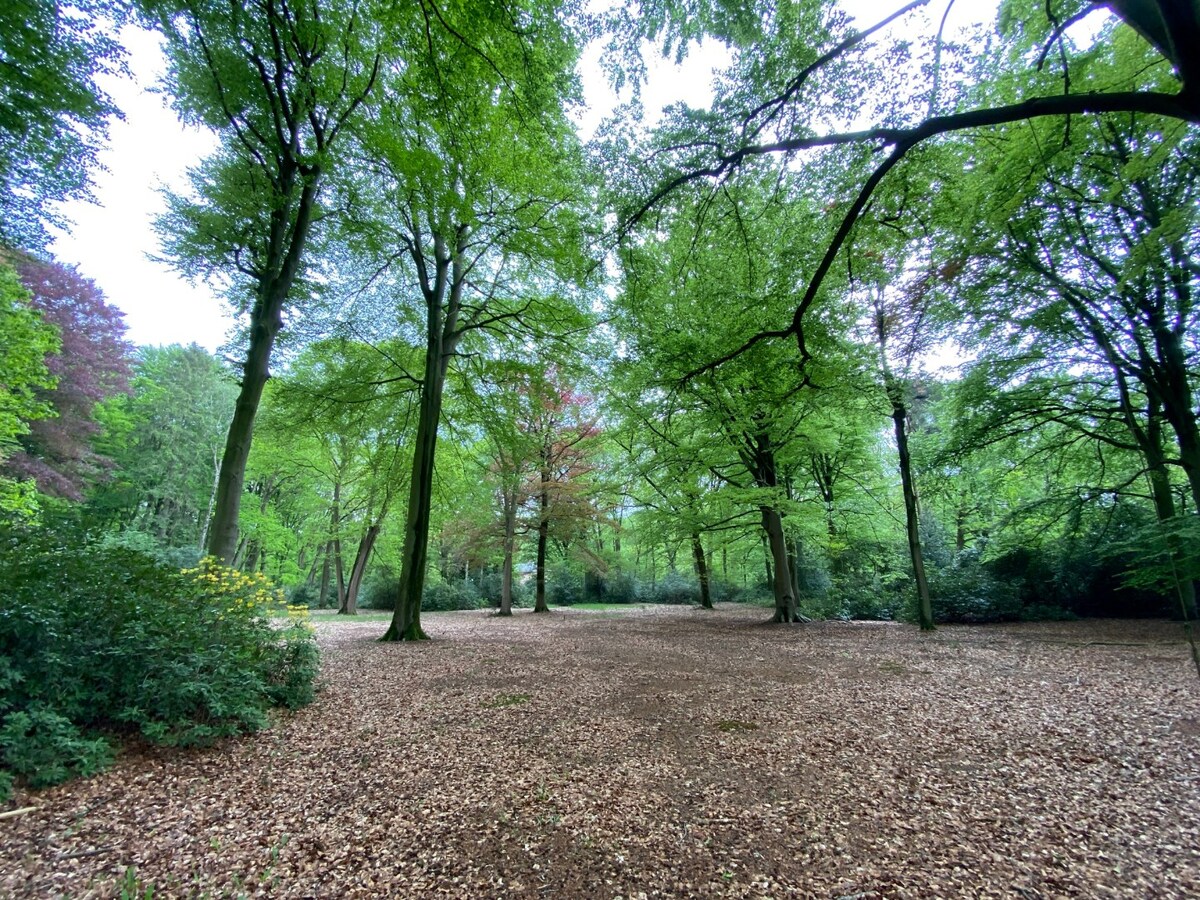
(667, 753)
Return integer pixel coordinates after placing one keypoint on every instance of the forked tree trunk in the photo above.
(701, 570)
(440, 341)
(365, 545)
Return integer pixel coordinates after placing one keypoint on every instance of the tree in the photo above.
(28, 341)
(779, 114)
(90, 364)
(279, 81)
(53, 115)
(476, 241)
(173, 426)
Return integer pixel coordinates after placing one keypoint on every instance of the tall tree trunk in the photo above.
(911, 515)
(543, 539)
(335, 517)
(510, 540)
(785, 600)
(701, 570)
(441, 337)
(766, 549)
(291, 221)
(365, 545)
(1164, 508)
(323, 599)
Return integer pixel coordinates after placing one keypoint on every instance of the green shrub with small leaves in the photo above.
(98, 639)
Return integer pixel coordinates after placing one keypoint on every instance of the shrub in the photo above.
(379, 590)
(101, 639)
(305, 594)
(672, 588)
(968, 592)
(451, 595)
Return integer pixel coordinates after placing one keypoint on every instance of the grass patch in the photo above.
(728, 725)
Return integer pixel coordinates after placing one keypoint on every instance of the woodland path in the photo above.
(668, 753)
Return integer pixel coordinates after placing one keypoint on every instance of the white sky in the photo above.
(113, 242)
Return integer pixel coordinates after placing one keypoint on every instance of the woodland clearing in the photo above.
(666, 752)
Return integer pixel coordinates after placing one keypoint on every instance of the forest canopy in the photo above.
(903, 325)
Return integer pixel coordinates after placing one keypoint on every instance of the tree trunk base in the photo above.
(413, 632)
(789, 617)
(541, 609)
(347, 612)
(928, 626)
(503, 612)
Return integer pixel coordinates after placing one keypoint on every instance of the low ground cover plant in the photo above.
(100, 641)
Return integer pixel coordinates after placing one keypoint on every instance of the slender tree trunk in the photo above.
(335, 517)
(701, 570)
(785, 600)
(323, 600)
(543, 539)
(291, 221)
(911, 515)
(510, 540)
(441, 337)
(766, 548)
(365, 545)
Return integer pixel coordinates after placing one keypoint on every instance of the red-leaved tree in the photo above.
(92, 364)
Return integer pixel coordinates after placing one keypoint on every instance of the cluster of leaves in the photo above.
(98, 641)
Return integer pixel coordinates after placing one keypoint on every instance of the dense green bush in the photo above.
(305, 594)
(671, 588)
(379, 590)
(447, 596)
(99, 639)
(968, 591)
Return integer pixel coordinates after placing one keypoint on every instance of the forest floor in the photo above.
(667, 752)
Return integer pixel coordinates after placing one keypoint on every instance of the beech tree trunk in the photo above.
(406, 621)
(785, 599)
(911, 515)
(543, 539)
(365, 545)
(441, 339)
(701, 570)
(287, 240)
(510, 540)
(323, 599)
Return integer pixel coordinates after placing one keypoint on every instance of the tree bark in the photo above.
(543, 539)
(701, 570)
(323, 599)
(287, 241)
(785, 600)
(441, 338)
(510, 541)
(365, 545)
(911, 514)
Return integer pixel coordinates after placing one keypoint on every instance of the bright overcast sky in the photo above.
(113, 242)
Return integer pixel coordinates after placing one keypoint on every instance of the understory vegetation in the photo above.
(99, 642)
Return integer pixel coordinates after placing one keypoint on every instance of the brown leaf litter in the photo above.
(667, 753)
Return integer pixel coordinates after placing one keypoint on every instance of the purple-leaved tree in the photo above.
(92, 364)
